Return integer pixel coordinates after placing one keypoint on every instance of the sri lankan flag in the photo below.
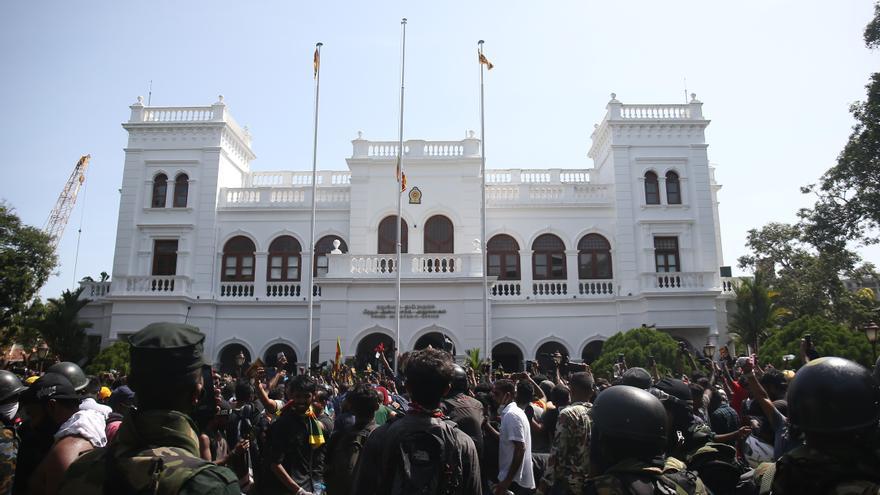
(337, 361)
(400, 177)
(484, 60)
(316, 63)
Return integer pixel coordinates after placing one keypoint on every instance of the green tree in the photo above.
(473, 359)
(848, 204)
(26, 261)
(829, 338)
(65, 334)
(113, 357)
(807, 277)
(756, 310)
(636, 345)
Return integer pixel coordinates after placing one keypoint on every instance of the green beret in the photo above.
(166, 350)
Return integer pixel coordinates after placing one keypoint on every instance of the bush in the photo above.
(829, 339)
(113, 357)
(636, 345)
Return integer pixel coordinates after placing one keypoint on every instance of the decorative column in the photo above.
(260, 274)
(525, 271)
(571, 268)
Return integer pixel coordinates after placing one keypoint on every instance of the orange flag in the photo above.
(485, 61)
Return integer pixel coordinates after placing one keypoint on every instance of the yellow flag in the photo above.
(317, 62)
(484, 60)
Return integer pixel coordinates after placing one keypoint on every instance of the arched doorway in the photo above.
(508, 356)
(366, 350)
(436, 340)
(316, 351)
(545, 355)
(270, 357)
(592, 350)
(230, 362)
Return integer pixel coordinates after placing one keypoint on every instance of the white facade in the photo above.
(442, 292)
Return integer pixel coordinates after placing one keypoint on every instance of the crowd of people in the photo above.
(175, 425)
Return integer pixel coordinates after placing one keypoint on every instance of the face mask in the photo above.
(8, 411)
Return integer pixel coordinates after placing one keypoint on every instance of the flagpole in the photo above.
(485, 250)
(311, 287)
(399, 195)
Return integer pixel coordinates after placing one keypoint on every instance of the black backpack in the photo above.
(429, 462)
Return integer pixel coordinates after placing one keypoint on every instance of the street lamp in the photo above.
(42, 353)
(871, 330)
(709, 350)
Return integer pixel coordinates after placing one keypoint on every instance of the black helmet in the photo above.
(636, 377)
(10, 385)
(459, 379)
(832, 395)
(72, 372)
(630, 413)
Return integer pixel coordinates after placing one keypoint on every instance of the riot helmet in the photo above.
(833, 395)
(72, 372)
(10, 386)
(630, 413)
(459, 379)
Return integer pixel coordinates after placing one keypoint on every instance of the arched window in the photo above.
(439, 236)
(238, 259)
(388, 236)
(284, 258)
(652, 189)
(322, 247)
(502, 257)
(594, 257)
(548, 259)
(181, 190)
(160, 190)
(673, 189)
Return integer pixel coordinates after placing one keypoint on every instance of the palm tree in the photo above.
(473, 359)
(756, 311)
(60, 328)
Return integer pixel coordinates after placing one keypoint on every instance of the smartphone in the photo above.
(808, 339)
(620, 358)
(651, 361)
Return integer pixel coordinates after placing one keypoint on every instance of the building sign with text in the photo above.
(384, 311)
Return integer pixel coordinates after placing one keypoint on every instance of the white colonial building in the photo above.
(574, 256)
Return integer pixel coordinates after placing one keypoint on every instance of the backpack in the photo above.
(429, 462)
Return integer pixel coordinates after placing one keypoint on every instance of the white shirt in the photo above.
(515, 428)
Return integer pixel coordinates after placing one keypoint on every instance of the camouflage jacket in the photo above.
(154, 452)
(640, 478)
(570, 454)
(685, 443)
(8, 454)
(807, 470)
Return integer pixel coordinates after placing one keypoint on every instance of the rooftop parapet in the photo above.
(217, 112)
(416, 148)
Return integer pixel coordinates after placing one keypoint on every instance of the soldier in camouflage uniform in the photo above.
(156, 450)
(627, 448)
(10, 388)
(569, 463)
(835, 403)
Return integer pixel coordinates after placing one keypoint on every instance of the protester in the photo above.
(49, 402)
(345, 446)
(121, 402)
(515, 472)
(420, 452)
(294, 456)
(465, 411)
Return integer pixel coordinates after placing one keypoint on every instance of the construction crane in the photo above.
(57, 220)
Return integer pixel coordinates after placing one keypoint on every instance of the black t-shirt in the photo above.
(467, 413)
(288, 445)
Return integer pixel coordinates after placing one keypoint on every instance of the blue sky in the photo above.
(776, 78)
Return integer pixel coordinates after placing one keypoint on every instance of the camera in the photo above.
(620, 358)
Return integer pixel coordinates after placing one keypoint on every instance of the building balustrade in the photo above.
(595, 288)
(152, 285)
(550, 289)
(412, 265)
(287, 197)
(93, 289)
(671, 281)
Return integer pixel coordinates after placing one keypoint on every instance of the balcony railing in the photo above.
(412, 265)
(595, 288)
(93, 289)
(284, 197)
(672, 281)
(153, 285)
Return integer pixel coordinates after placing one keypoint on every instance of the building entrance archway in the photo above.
(508, 356)
(366, 350)
(545, 353)
(270, 357)
(231, 362)
(592, 350)
(437, 340)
